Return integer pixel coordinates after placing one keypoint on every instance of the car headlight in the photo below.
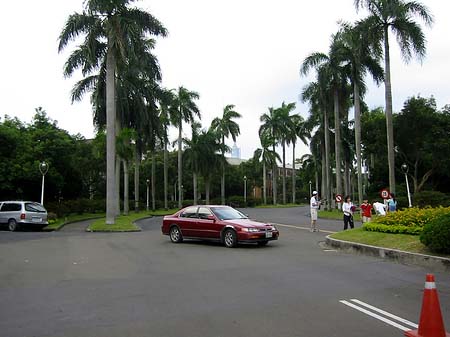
(273, 228)
(250, 229)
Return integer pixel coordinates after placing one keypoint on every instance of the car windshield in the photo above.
(227, 213)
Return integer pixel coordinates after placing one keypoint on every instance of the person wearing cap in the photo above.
(314, 206)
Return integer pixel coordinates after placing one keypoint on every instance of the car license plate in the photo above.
(269, 234)
(36, 219)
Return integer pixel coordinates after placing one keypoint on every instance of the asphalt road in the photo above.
(72, 283)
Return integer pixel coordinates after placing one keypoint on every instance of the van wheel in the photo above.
(12, 225)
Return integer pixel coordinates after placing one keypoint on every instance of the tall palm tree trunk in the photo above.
(137, 164)
(389, 124)
(110, 136)
(153, 181)
(284, 173)
(180, 167)
(358, 139)
(293, 173)
(327, 160)
(337, 144)
(126, 207)
(117, 171)
(274, 180)
(222, 182)
(264, 184)
(166, 206)
(324, 176)
(207, 186)
(194, 184)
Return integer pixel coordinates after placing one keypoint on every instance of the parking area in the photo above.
(140, 284)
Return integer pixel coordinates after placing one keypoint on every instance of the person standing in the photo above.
(366, 211)
(392, 204)
(314, 207)
(380, 208)
(348, 208)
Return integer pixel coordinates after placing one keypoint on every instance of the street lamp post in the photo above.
(148, 193)
(43, 168)
(310, 187)
(405, 169)
(245, 191)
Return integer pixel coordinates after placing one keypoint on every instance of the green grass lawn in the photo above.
(72, 218)
(125, 223)
(404, 242)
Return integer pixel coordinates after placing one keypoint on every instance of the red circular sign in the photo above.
(338, 198)
(385, 194)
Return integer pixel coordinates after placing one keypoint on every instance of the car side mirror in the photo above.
(211, 217)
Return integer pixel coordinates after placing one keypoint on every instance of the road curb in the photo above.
(433, 263)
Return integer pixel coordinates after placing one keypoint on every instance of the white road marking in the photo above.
(385, 313)
(381, 318)
(300, 227)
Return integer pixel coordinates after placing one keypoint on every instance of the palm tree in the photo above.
(268, 158)
(125, 152)
(297, 130)
(354, 48)
(224, 128)
(211, 160)
(282, 133)
(114, 32)
(333, 73)
(270, 125)
(317, 93)
(396, 16)
(166, 102)
(184, 109)
(193, 154)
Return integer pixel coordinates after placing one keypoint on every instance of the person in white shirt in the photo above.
(347, 208)
(379, 208)
(314, 206)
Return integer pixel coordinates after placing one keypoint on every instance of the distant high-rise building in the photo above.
(235, 152)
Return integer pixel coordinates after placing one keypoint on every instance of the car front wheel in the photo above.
(12, 225)
(175, 234)
(230, 238)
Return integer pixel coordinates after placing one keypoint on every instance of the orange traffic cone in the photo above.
(431, 323)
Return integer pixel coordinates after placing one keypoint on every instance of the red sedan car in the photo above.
(218, 223)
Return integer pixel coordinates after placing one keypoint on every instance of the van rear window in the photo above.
(34, 207)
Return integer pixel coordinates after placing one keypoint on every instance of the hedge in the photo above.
(407, 221)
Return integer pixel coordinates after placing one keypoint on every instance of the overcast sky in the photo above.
(242, 52)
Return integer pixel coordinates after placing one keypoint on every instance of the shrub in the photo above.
(409, 220)
(436, 234)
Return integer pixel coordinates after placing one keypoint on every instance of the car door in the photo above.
(206, 226)
(187, 221)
